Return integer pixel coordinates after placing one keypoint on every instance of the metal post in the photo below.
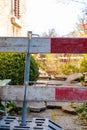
(26, 80)
(6, 114)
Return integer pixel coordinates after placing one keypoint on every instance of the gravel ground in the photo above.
(67, 121)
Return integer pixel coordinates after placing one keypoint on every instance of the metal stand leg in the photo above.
(6, 114)
(27, 71)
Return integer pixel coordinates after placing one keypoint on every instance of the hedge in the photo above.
(12, 66)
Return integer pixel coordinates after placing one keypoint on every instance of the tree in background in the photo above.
(51, 33)
(80, 28)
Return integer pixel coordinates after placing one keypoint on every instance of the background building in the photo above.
(13, 18)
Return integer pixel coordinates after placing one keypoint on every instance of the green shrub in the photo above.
(69, 69)
(83, 63)
(82, 112)
(12, 66)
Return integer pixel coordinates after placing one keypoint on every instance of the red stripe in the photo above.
(71, 94)
(68, 45)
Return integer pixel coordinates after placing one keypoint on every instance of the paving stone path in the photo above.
(67, 121)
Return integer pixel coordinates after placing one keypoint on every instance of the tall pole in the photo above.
(26, 81)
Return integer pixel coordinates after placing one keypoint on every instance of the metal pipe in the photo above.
(26, 80)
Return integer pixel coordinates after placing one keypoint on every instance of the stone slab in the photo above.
(69, 109)
(57, 104)
(74, 77)
(33, 106)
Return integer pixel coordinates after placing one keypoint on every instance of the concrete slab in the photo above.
(71, 78)
(57, 104)
(34, 106)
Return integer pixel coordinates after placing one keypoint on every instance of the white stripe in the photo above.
(39, 93)
(20, 44)
(13, 44)
(40, 45)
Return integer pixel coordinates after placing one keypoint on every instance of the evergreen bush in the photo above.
(12, 66)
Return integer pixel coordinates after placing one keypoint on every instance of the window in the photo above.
(17, 8)
(15, 19)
